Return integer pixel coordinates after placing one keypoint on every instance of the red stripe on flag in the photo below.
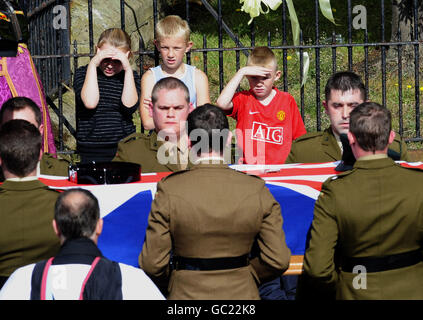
(154, 178)
(65, 183)
(407, 165)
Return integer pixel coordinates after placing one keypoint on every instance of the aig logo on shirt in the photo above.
(262, 132)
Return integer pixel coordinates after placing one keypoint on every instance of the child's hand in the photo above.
(257, 71)
(113, 54)
(123, 58)
(147, 104)
(102, 54)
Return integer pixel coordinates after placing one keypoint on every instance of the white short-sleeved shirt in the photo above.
(65, 282)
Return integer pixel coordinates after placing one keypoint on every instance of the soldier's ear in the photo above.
(325, 105)
(351, 138)
(150, 109)
(41, 129)
(391, 137)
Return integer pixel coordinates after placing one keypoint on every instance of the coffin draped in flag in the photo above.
(125, 207)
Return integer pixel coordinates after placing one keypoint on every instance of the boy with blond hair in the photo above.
(268, 120)
(173, 41)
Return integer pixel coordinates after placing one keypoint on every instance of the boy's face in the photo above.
(173, 51)
(262, 86)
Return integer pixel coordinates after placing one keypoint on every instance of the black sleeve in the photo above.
(128, 111)
(78, 81)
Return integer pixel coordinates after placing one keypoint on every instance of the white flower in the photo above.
(254, 7)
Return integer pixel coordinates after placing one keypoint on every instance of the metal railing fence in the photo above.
(53, 54)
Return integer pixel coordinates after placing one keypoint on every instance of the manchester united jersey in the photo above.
(265, 133)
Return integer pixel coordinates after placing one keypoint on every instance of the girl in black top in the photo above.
(107, 94)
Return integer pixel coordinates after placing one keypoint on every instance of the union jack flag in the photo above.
(125, 207)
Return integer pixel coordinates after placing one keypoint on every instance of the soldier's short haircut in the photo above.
(20, 145)
(169, 83)
(345, 81)
(76, 213)
(370, 123)
(20, 103)
(214, 125)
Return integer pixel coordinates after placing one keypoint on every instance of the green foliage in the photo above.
(202, 21)
(326, 58)
(203, 24)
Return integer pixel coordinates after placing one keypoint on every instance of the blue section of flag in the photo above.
(124, 229)
(297, 212)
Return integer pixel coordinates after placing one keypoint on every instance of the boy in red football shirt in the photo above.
(268, 120)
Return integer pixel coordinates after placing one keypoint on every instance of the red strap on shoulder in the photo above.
(44, 279)
(81, 295)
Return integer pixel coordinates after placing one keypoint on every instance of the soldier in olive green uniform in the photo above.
(317, 147)
(52, 166)
(24, 108)
(170, 109)
(343, 92)
(143, 149)
(27, 205)
(210, 216)
(368, 220)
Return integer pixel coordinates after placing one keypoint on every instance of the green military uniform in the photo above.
(374, 210)
(318, 147)
(144, 149)
(52, 166)
(26, 214)
(212, 211)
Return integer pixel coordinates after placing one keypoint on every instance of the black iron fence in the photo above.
(54, 54)
(53, 66)
(49, 44)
